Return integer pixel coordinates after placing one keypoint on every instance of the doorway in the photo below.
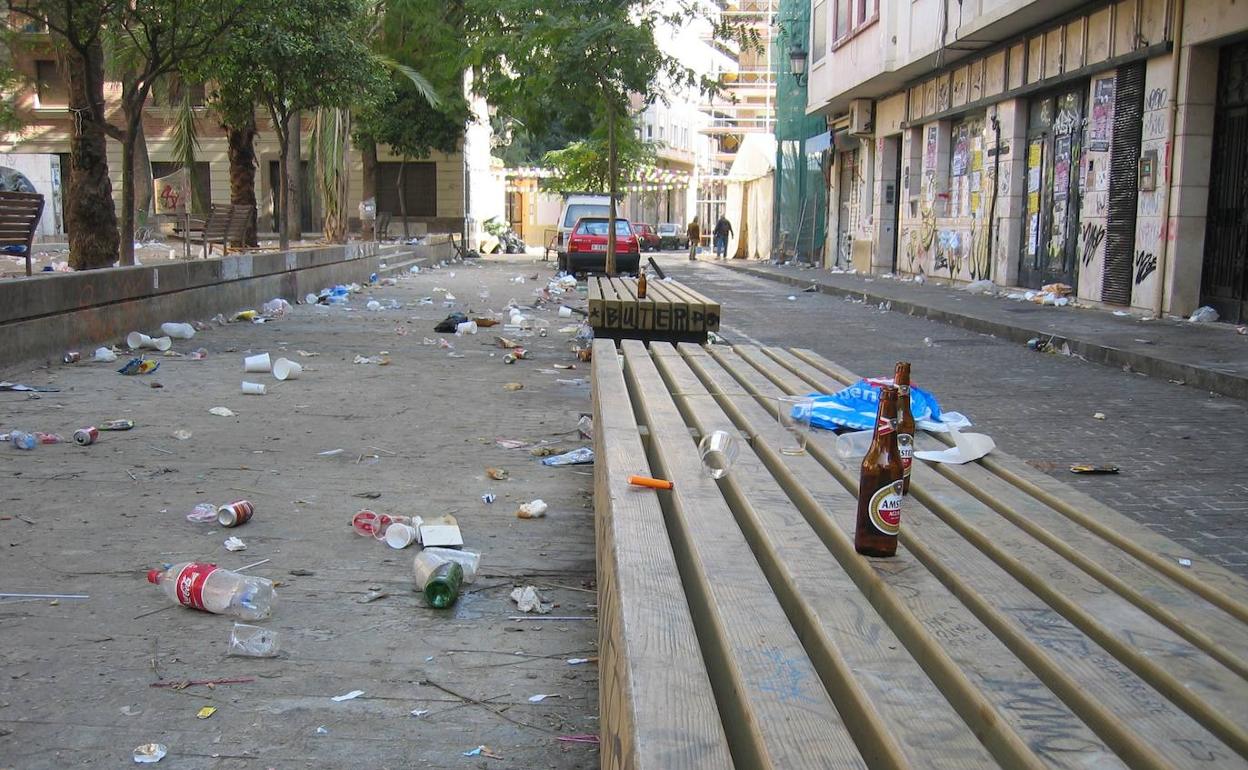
(1051, 226)
(847, 207)
(1224, 275)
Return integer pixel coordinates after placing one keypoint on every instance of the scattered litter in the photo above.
(982, 286)
(198, 355)
(1185, 562)
(513, 386)
(306, 354)
(348, 696)
(322, 730)
(440, 534)
(130, 711)
(221, 411)
(577, 382)
(1203, 315)
(814, 287)
(181, 434)
(1094, 469)
(646, 481)
(373, 596)
(577, 661)
(203, 512)
(498, 474)
(378, 360)
(136, 366)
(185, 683)
(967, 447)
(792, 298)
(330, 453)
(585, 427)
(535, 509)
(1098, 416)
(564, 366)
(582, 456)
(541, 697)
(206, 712)
(105, 355)
(488, 498)
(511, 443)
(418, 712)
(150, 753)
(1122, 313)
(482, 751)
(234, 545)
(178, 331)
(527, 599)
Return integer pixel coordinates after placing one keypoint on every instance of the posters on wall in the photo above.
(1101, 122)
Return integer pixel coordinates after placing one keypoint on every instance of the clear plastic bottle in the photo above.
(210, 588)
(22, 440)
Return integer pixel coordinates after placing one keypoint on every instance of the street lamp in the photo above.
(797, 63)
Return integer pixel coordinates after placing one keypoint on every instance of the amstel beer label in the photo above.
(885, 509)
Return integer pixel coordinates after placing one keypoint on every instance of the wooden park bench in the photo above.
(670, 312)
(19, 216)
(226, 224)
(1022, 624)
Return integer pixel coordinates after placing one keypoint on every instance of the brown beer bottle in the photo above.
(905, 422)
(641, 284)
(880, 485)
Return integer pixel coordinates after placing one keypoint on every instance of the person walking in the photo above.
(723, 231)
(694, 234)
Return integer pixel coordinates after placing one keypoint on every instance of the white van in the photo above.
(575, 206)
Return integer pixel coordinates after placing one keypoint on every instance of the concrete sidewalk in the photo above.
(1208, 356)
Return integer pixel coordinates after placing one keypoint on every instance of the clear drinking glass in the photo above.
(718, 450)
(794, 417)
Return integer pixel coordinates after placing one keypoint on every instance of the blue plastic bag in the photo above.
(855, 407)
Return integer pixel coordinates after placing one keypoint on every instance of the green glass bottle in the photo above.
(442, 587)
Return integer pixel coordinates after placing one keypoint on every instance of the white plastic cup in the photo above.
(565, 311)
(310, 299)
(285, 369)
(105, 355)
(161, 343)
(400, 535)
(178, 330)
(257, 363)
(253, 388)
(136, 340)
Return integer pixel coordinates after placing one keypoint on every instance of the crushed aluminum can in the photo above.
(117, 425)
(235, 514)
(86, 436)
(72, 357)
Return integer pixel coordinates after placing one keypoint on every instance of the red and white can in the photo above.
(236, 513)
(86, 436)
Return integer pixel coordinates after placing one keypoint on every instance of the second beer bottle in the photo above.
(880, 484)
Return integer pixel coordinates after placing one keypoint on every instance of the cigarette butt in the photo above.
(646, 481)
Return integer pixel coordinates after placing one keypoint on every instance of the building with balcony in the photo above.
(1097, 144)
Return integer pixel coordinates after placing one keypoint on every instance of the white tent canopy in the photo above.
(751, 182)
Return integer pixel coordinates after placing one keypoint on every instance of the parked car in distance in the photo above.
(587, 247)
(575, 206)
(647, 236)
(672, 236)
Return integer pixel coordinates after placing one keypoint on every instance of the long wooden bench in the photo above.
(19, 217)
(226, 224)
(1021, 625)
(670, 311)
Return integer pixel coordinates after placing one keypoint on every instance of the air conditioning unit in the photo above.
(861, 117)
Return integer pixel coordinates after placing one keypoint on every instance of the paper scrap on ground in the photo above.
(541, 697)
(206, 712)
(349, 696)
(418, 712)
(967, 448)
(221, 411)
(234, 544)
(527, 599)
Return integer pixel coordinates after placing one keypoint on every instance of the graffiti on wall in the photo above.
(980, 262)
(919, 239)
(1156, 99)
(1091, 236)
(949, 252)
(1145, 265)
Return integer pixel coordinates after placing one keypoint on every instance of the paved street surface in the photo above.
(77, 682)
(1180, 449)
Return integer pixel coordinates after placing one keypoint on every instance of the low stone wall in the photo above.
(47, 314)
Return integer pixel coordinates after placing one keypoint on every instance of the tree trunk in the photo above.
(292, 209)
(283, 182)
(133, 116)
(368, 154)
(91, 219)
(612, 187)
(242, 152)
(142, 172)
(402, 186)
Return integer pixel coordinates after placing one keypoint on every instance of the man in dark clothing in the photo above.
(723, 231)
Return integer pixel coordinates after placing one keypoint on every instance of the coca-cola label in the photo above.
(190, 584)
(885, 508)
(905, 447)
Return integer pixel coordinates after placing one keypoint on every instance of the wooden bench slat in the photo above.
(21, 213)
(657, 710)
(994, 693)
(1104, 680)
(776, 713)
(862, 663)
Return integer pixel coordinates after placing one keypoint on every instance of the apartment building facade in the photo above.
(1097, 144)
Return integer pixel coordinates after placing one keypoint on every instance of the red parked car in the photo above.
(587, 247)
(647, 236)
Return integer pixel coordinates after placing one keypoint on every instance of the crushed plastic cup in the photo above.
(253, 641)
(718, 451)
(179, 331)
(365, 523)
(794, 416)
(253, 388)
(136, 340)
(384, 520)
(104, 355)
(257, 363)
(285, 369)
(204, 512)
(310, 299)
(399, 535)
